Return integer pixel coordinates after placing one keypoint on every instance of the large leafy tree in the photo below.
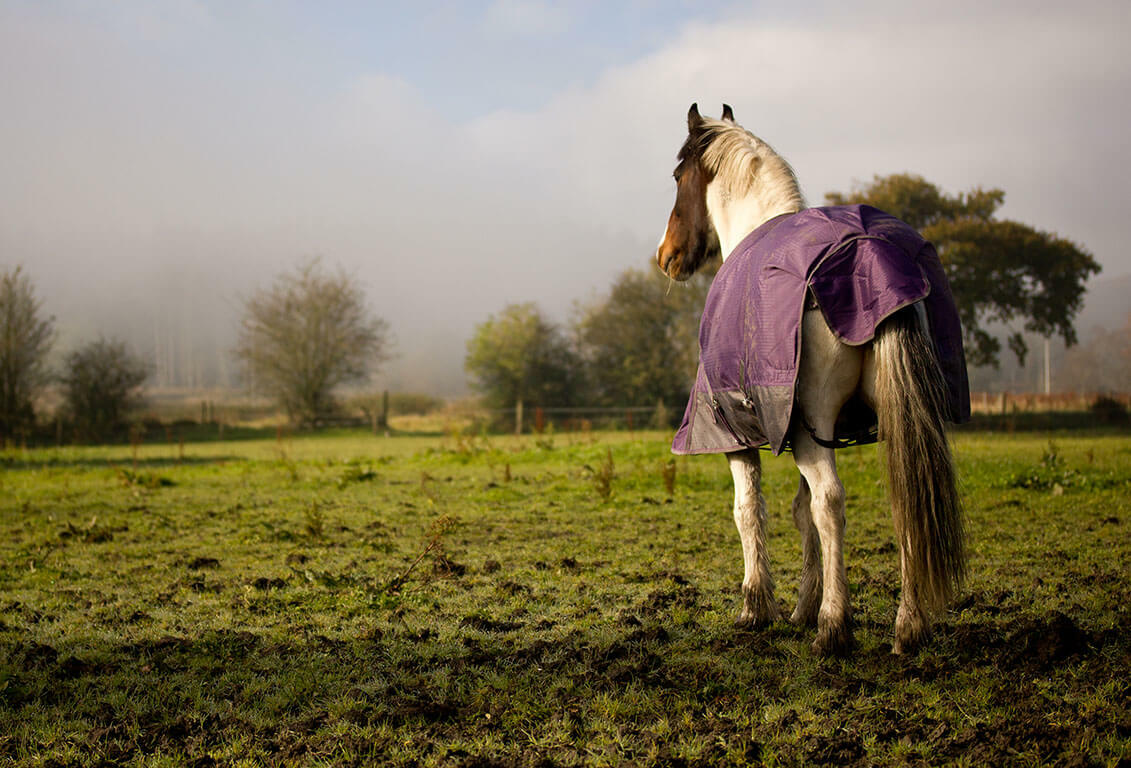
(26, 336)
(306, 335)
(101, 383)
(640, 342)
(519, 355)
(1000, 271)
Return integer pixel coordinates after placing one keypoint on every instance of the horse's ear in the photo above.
(693, 118)
(728, 113)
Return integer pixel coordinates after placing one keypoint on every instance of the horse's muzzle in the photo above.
(669, 261)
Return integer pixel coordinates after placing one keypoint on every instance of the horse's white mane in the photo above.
(744, 164)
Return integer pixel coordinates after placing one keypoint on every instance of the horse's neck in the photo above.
(735, 218)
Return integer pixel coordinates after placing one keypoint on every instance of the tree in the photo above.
(101, 383)
(999, 270)
(306, 335)
(640, 343)
(25, 339)
(518, 355)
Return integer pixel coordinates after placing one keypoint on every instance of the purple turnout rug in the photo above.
(860, 265)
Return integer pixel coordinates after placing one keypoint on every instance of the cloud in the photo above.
(1011, 98)
(525, 18)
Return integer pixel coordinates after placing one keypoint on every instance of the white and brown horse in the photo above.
(728, 183)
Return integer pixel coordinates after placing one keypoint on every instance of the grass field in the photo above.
(344, 599)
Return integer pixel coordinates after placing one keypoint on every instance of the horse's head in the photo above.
(728, 182)
(690, 239)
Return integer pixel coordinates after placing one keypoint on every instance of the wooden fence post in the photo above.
(518, 418)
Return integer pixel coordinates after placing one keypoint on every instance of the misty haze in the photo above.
(162, 163)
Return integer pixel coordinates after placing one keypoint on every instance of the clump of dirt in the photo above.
(444, 566)
(39, 654)
(72, 667)
(843, 748)
(660, 601)
(264, 583)
(428, 710)
(569, 564)
(91, 533)
(1047, 640)
(655, 634)
(201, 563)
(1035, 643)
(201, 585)
(514, 588)
(1026, 730)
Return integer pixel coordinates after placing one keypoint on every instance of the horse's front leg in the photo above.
(827, 504)
(758, 606)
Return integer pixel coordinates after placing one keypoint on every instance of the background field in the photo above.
(344, 599)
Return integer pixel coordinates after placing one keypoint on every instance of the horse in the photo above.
(729, 186)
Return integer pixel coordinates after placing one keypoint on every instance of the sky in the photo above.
(161, 161)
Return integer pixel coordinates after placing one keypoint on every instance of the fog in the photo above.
(160, 163)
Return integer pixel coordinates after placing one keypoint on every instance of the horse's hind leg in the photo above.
(912, 626)
(758, 606)
(829, 374)
(809, 592)
(827, 503)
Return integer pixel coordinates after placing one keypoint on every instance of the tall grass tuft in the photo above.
(667, 473)
(603, 476)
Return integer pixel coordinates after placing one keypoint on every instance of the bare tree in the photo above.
(307, 334)
(101, 383)
(25, 340)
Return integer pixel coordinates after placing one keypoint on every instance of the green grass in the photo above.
(344, 599)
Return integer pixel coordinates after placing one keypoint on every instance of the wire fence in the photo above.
(188, 418)
(1029, 402)
(522, 419)
(525, 419)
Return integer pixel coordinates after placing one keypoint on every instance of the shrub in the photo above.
(1108, 410)
(101, 383)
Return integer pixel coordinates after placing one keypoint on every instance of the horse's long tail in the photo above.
(926, 508)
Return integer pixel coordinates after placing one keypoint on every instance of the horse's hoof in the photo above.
(745, 620)
(751, 620)
(909, 640)
(757, 613)
(804, 618)
(834, 640)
